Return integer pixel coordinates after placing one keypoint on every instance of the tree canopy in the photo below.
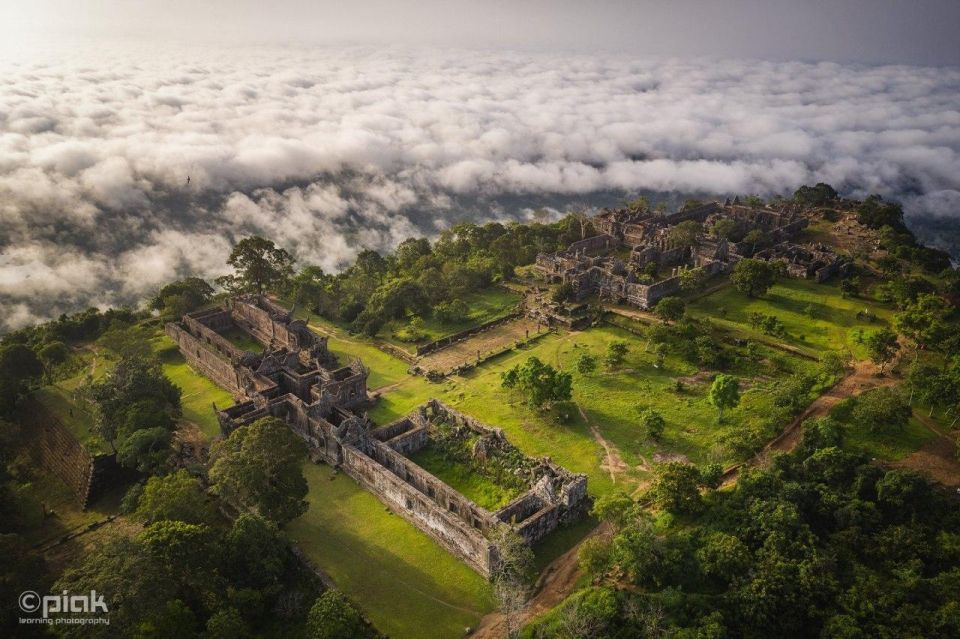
(541, 383)
(753, 277)
(259, 467)
(259, 266)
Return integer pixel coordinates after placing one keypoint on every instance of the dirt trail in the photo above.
(556, 582)
(863, 377)
(561, 576)
(613, 462)
(938, 457)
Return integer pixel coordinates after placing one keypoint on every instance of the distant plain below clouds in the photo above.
(328, 151)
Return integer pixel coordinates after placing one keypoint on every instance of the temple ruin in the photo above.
(296, 379)
(636, 260)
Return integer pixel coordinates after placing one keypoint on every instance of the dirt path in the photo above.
(561, 576)
(554, 585)
(861, 378)
(938, 457)
(612, 462)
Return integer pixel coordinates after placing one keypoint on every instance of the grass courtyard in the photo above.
(483, 491)
(408, 585)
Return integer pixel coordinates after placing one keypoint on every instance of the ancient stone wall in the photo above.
(443, 342)
(56, 450)
(205, 360)
(417, 498)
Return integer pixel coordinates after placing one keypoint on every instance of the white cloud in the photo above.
(329, 151)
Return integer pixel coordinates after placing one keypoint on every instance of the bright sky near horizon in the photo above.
(868, 31)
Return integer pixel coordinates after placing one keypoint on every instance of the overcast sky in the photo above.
(869, 31)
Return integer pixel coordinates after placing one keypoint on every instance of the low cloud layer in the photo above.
(330, 151)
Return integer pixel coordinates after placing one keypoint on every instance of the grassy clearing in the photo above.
(406, 584)
(474, 486)
(489, 304)
(609, 400)
(816, 316)
(199, 393)
(889, 446)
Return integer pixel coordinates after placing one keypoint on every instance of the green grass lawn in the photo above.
(889, 446)
(408, 585)
(472, 485)
(816, 316)
(243, 340)
(489, 304)
(199, 393)
(609, 400)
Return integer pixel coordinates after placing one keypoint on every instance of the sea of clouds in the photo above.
(328, 151)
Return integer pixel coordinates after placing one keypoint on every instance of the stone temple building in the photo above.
(636, 260)
(296, 379)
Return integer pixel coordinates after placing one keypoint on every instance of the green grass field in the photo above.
(609, 400)
(816, 316)
(486, 305)
(408, 585)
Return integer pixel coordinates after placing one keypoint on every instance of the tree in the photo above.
(670, 309)
(833, 363)
(757, 239)
(453, 311)
(882, 346)
(692, 279)
(53, 353)
(723, 557)
(724, 393)
(135, 395)
(259, 467)
(332, 616)
(724, 228)
(564, 293)
(19, 366)
(686, 233)
(639, 205)
(753, 277)
(182, 296)
(850, 286)
(226, 623)
(881, 410)
(819, 195)
(259, 266)
(676, 488)
(586, 364)
(128, 578)
(255, 553)
(923, 320)
(176, 496)
(146, 450)
(542, 383)
(616, 353)
(874, 213)
(511, 574)
(653, 423)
